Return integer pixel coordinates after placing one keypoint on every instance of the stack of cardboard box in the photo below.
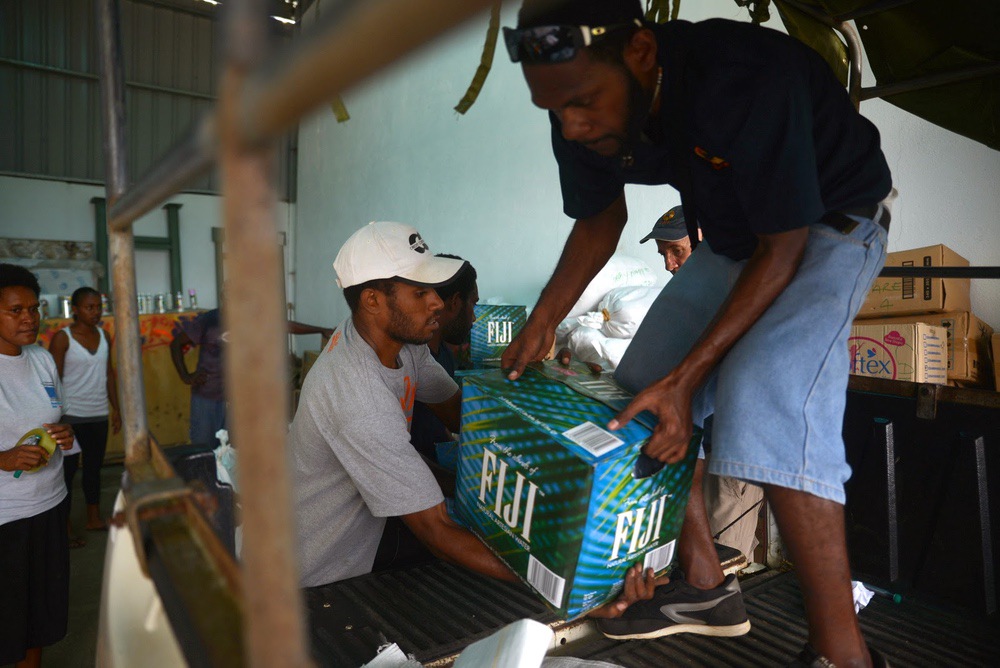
(921, 329)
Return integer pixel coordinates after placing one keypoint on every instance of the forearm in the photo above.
(453, 543)
(588, 248)
(765, 276)
(113, 392)
(177, 357)
(302, 328)
(462, 548)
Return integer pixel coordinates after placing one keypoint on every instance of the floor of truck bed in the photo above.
(433, 611)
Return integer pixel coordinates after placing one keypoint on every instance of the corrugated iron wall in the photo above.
(49, 113)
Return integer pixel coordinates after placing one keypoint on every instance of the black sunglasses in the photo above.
(555, 44)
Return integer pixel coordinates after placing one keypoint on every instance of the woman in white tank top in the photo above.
(82, 353)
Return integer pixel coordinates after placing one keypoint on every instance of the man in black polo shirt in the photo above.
(786, 181)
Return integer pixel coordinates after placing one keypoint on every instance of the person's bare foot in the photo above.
(94, 521)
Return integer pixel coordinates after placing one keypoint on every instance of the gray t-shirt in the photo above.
(351, 458)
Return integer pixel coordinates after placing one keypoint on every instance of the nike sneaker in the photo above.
(678, 607)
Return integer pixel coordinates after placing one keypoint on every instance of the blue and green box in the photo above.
(568, 505)
(495, 327)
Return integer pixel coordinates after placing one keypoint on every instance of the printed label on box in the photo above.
(494, 329)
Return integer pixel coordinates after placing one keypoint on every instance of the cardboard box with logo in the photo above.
(568, 505)
(968, 342)
(915, 352)
(906, 296)
(495, 327)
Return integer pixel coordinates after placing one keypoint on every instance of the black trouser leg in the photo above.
(93, 437)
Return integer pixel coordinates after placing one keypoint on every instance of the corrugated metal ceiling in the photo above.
(49, 114)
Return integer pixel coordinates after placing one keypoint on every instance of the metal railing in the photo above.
(261, 621)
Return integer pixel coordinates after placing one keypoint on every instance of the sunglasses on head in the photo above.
(555, 44)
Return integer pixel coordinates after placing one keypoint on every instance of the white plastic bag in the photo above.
(620, 271)
(590, 345)
(623, 310)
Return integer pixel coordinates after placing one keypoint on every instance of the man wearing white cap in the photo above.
(351, 457)
(353, 464)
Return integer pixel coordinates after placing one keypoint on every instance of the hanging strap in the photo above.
(680, 147)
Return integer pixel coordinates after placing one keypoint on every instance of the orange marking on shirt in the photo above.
(717, 163)
(334, 340)
(409, 395)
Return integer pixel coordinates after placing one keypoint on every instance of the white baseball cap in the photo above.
(392, 250)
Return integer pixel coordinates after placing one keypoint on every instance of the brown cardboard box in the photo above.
(904, 296)
(996, 361)
(917, 352)
(968, 340)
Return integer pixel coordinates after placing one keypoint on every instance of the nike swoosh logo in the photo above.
(675, 611)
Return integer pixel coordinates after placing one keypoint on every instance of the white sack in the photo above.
(623, 310)
(590, 345)
(620, 271)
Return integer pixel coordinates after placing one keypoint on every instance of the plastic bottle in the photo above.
(192, 299)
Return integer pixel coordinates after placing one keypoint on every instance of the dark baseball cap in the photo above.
(670, 227)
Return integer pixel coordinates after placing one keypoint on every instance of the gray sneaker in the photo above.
(678, 607)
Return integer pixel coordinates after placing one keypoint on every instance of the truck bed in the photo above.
(434, 610)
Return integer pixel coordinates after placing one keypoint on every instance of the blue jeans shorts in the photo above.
(207, 417)
(779, 394)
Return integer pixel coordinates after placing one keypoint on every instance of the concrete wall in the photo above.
(41, 209)
(485, 186)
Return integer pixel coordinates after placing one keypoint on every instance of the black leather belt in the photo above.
(843, 223)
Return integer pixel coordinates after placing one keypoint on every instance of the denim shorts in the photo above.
(779, 394)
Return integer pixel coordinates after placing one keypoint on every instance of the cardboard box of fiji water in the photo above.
(917, 352)
(968, 342)
(904, 296)
(566, 504)
(495, 327)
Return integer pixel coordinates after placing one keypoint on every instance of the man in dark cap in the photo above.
(671, 236)
(787, 182)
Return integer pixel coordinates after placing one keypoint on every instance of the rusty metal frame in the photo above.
(259, 100)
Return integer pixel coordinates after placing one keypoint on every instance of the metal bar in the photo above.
(187, 160)
(985, 525)
(174, 238)
(930, 81)
(131, 392)
(61, 71)
(885, 437)
(274, 629)
(356, 40)
(152, 243)
(940, 272)
(101, 243)
(854, 52)
(854, 49)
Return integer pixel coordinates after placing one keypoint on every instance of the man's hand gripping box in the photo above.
(566, 504)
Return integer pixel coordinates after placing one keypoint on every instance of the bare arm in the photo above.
(765, 276)
(449, 412)
(301, 328)
(58, 347)
(588, 248)
(455, 544)
(180, 341)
